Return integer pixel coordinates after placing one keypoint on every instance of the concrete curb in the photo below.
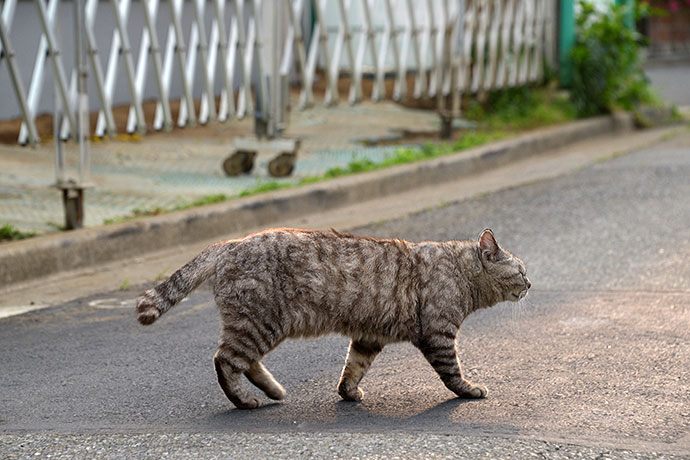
(41, 256)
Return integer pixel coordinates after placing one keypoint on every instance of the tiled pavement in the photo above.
(164, 170)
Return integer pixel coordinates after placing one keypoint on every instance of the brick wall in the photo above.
(669, 34)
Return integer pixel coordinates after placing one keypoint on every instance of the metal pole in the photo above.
(82, 91)
(59, 153)
(157, 65)
(17, 84)
(566, 41)
(276, 98)
(58, 70)
(73, 191)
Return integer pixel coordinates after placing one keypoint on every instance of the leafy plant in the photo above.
(607, 64)
(8, 232)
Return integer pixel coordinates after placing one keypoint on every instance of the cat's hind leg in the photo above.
(439, 349)
(243, 344)
(359, 358)
(262, 379)
(230, 365)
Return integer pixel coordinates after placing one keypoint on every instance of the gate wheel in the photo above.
(239, 162)
(282, 165)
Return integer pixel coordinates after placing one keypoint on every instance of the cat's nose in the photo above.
(529, 285)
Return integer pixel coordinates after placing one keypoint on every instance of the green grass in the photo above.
(208, 199)
(264, 187)
(8, 232)
(412, 154)
(521, 108)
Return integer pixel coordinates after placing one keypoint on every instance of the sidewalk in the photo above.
(169, 169)
(164, 170)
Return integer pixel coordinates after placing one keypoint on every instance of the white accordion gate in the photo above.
(450, 47)
(247, 52)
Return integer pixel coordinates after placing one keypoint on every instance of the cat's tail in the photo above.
(156, 301)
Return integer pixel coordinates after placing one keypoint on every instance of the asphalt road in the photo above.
(594, 363)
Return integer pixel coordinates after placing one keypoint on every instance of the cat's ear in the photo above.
(488, 245)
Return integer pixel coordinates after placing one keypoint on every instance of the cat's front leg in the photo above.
(359, 358)
(439, 349)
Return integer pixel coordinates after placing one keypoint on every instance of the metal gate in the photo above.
(449, 47)
(248, 52)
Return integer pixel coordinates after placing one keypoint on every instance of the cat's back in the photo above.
(373, 280)
(292, 252)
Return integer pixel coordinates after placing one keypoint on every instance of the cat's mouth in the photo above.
(519, 295)
(522, 293)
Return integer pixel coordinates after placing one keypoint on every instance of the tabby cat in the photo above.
(283, 283)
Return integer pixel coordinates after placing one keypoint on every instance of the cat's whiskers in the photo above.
(514, 318)
(524, 304)
(518, 312)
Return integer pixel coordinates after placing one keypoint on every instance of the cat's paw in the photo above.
(251, 402)
(147, 311)
(350, 394)
(277, 393)
(470, 391)
(473, 391)
(148, 316)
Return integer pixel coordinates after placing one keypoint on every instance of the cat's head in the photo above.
(507, 273)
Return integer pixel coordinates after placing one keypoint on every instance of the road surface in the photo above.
(595, 363)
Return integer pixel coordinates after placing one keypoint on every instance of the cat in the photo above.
(282, 283)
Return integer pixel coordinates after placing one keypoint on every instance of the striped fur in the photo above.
(284, 283)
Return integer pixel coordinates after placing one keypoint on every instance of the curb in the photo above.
(45, 255)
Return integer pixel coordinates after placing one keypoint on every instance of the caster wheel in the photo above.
(240, 162)
(282, 165)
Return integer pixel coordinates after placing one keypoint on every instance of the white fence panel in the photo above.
(192, 50)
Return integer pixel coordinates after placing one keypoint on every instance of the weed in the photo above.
(521, 108)
(8, 232)
(124, 285)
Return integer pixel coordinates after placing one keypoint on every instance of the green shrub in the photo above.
(606, 58)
